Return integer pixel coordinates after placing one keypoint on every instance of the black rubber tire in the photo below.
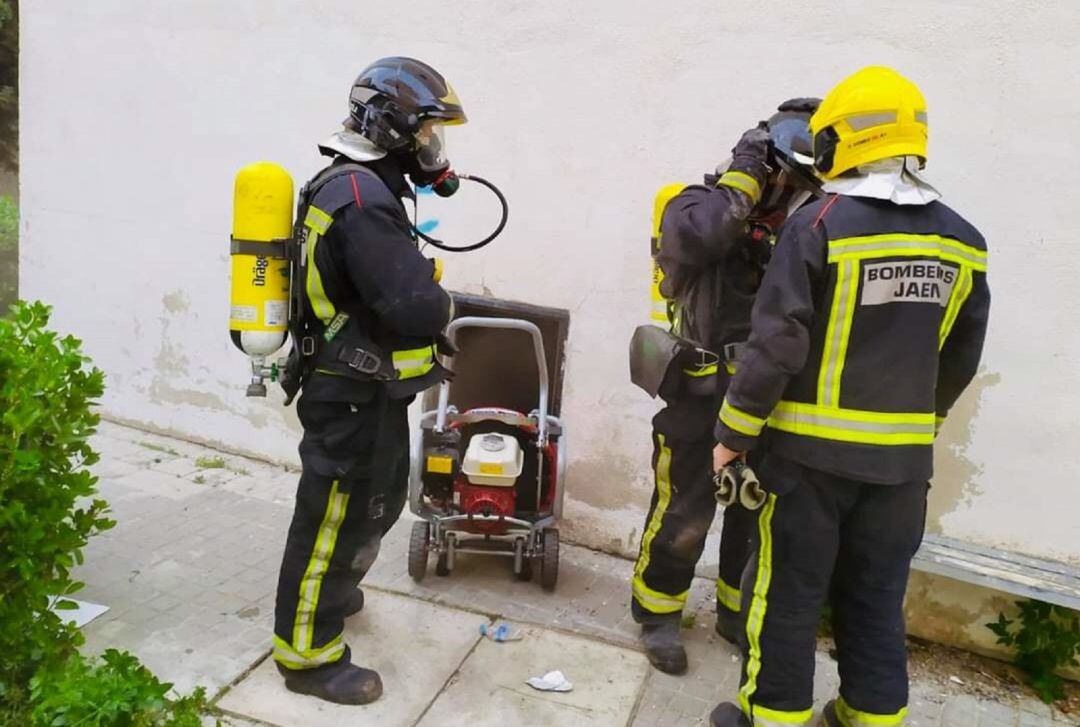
(441, 568)
(418, 551)
(549, 560)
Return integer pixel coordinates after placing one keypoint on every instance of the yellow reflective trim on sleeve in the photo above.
(311, 583)
(898, 244)
(413, 363)
(740, 421)
(742, 182)
(851, 717)
(957, 298)
(289, 657)
(318, 220)
(765, 717)
(759, 604)
(838, 333)
(728, 596)
(853, 425)
(650, 600)
(320, 304)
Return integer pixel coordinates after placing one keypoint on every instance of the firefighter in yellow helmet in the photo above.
(867, 327)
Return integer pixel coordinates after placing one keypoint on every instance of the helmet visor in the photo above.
(431, 146)
(784, 191)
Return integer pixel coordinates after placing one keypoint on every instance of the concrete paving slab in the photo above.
(490, 689)
(592, 596)
(415, 646)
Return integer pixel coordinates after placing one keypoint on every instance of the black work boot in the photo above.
(729, 625)
(354, 603)
(828, 715)
(663, 646)
(340, 683)
(728, 714)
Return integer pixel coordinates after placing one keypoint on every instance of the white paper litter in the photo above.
(553, 681)
(79, 617)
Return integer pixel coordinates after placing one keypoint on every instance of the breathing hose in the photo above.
(476, 245)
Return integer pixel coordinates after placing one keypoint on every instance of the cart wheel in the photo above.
(418, 551)
(549, 562)
(442, 567)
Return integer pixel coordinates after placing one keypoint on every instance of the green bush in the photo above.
(46, 508)
(1048, 638)
(9, 253)
(47, 513)
(115, 691)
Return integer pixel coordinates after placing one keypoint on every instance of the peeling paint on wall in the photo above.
(955, 474)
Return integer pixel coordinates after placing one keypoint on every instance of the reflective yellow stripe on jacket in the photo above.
(317, 222)
(853, 425)
(413, 363)
(896, 244)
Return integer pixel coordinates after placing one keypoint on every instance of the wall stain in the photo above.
(603, 481)
(955, 475)
(175, 302)
(164, 393)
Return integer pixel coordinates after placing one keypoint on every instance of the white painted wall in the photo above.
(135, 116)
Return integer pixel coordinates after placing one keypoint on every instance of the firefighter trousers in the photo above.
(822, 537)
(351, 492)
(680, 515)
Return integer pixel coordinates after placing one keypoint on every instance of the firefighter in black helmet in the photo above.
(367, 325)
(715, 241)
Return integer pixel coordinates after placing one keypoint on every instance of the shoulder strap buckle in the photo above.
(362, 360)
(307, 346)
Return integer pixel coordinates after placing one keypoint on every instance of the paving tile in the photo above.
(489, 689)
(415, 646)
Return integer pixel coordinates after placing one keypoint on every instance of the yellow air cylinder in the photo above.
(262, 213)
(659, 312)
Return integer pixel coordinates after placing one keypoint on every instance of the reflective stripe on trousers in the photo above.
(301, 653)
(728, 596)
(755, 621)
(651, 600)
(851, 717)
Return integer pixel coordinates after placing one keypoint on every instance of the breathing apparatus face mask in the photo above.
(428, 164)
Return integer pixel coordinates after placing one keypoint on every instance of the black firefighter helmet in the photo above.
(393, 99)
(792, 180)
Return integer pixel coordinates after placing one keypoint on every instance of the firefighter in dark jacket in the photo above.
(715, 240)
(371, 313)
(867, 327)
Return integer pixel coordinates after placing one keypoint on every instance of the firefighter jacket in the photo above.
(868, 325)
(711, 262)
(369, 293)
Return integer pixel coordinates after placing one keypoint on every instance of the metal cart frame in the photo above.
(524, 539)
